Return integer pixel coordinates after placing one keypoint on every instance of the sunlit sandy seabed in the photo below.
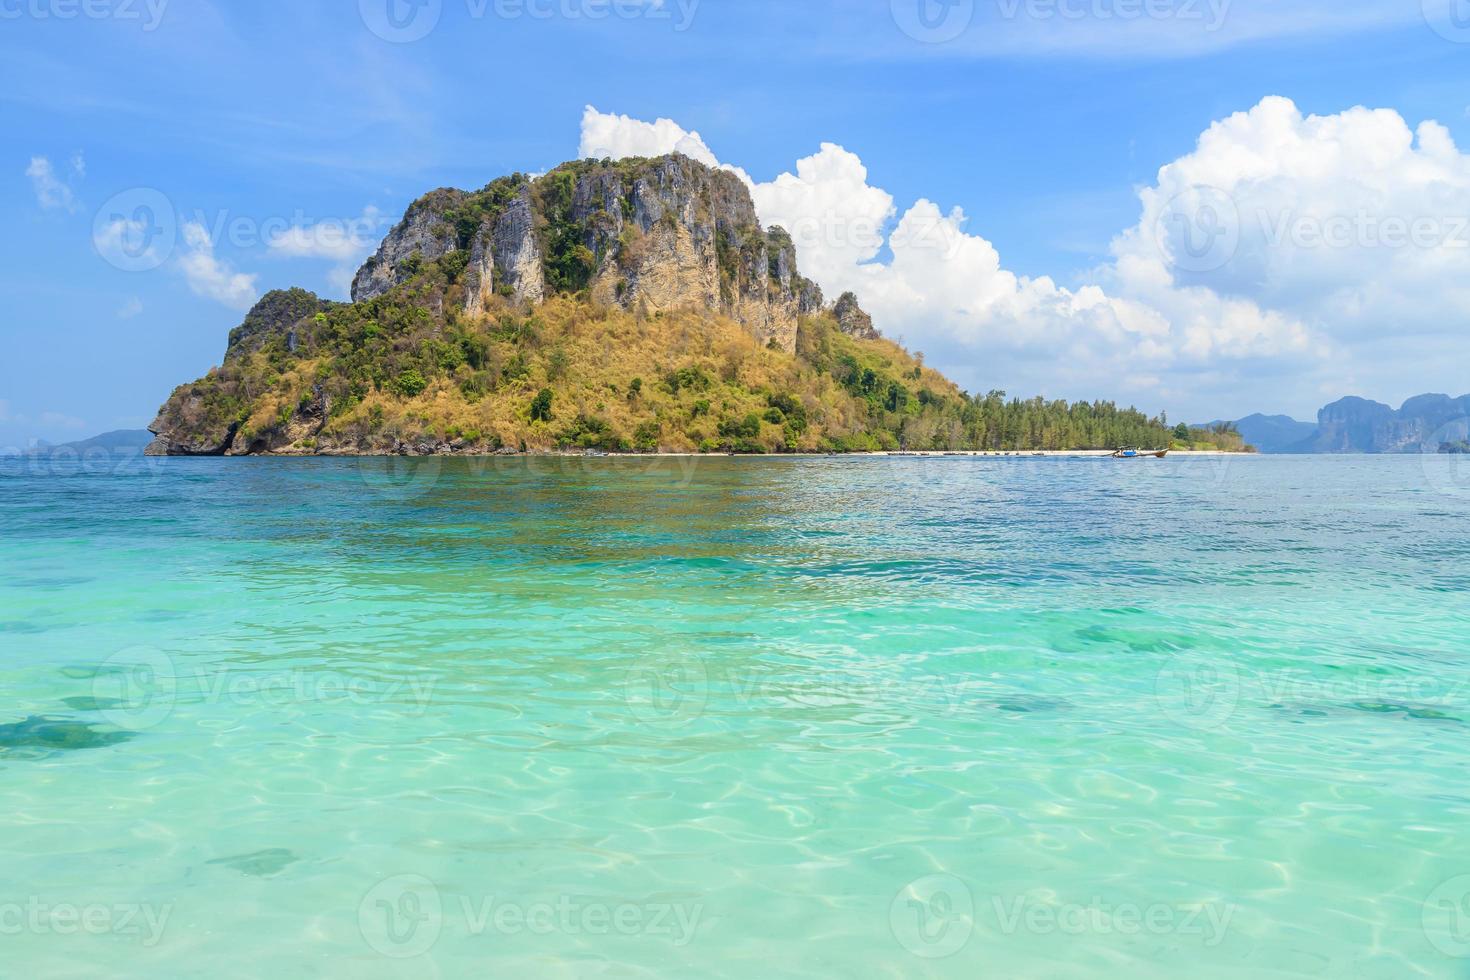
(745, 718)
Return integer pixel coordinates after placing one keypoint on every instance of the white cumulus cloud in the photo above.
(1331, 249)
(332, 238)
(210, 276)
(945, 289)
(345, 242)
(607, 135)
(51, 193)
(1352, 221)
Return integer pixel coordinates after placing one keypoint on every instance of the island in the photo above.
(627, 306)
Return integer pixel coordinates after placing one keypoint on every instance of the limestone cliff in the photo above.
(1357, 425)
(646, 235)
(852, 319)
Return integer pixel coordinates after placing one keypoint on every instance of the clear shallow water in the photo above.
(747, 718)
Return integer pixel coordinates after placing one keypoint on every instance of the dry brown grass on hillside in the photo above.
(610, 374)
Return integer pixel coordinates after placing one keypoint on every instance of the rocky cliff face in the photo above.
(647, 235)
(852, 319)
(422, 236)
(204, 418)
(1357, 425)
(505, 257)
(275, 314)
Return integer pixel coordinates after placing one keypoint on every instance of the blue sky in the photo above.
(1046, 121)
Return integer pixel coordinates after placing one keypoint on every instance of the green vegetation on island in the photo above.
(634, 306)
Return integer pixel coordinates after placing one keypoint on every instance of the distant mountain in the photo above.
(117, 441)
(1273, 433)
(1425, 423)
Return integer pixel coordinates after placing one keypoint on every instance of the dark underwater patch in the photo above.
(260, 864)
(21, 627)
(39, 736)
(89, 703)
(1024, 704)
(1418, 711)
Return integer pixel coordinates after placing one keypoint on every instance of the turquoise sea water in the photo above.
(746, 718)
